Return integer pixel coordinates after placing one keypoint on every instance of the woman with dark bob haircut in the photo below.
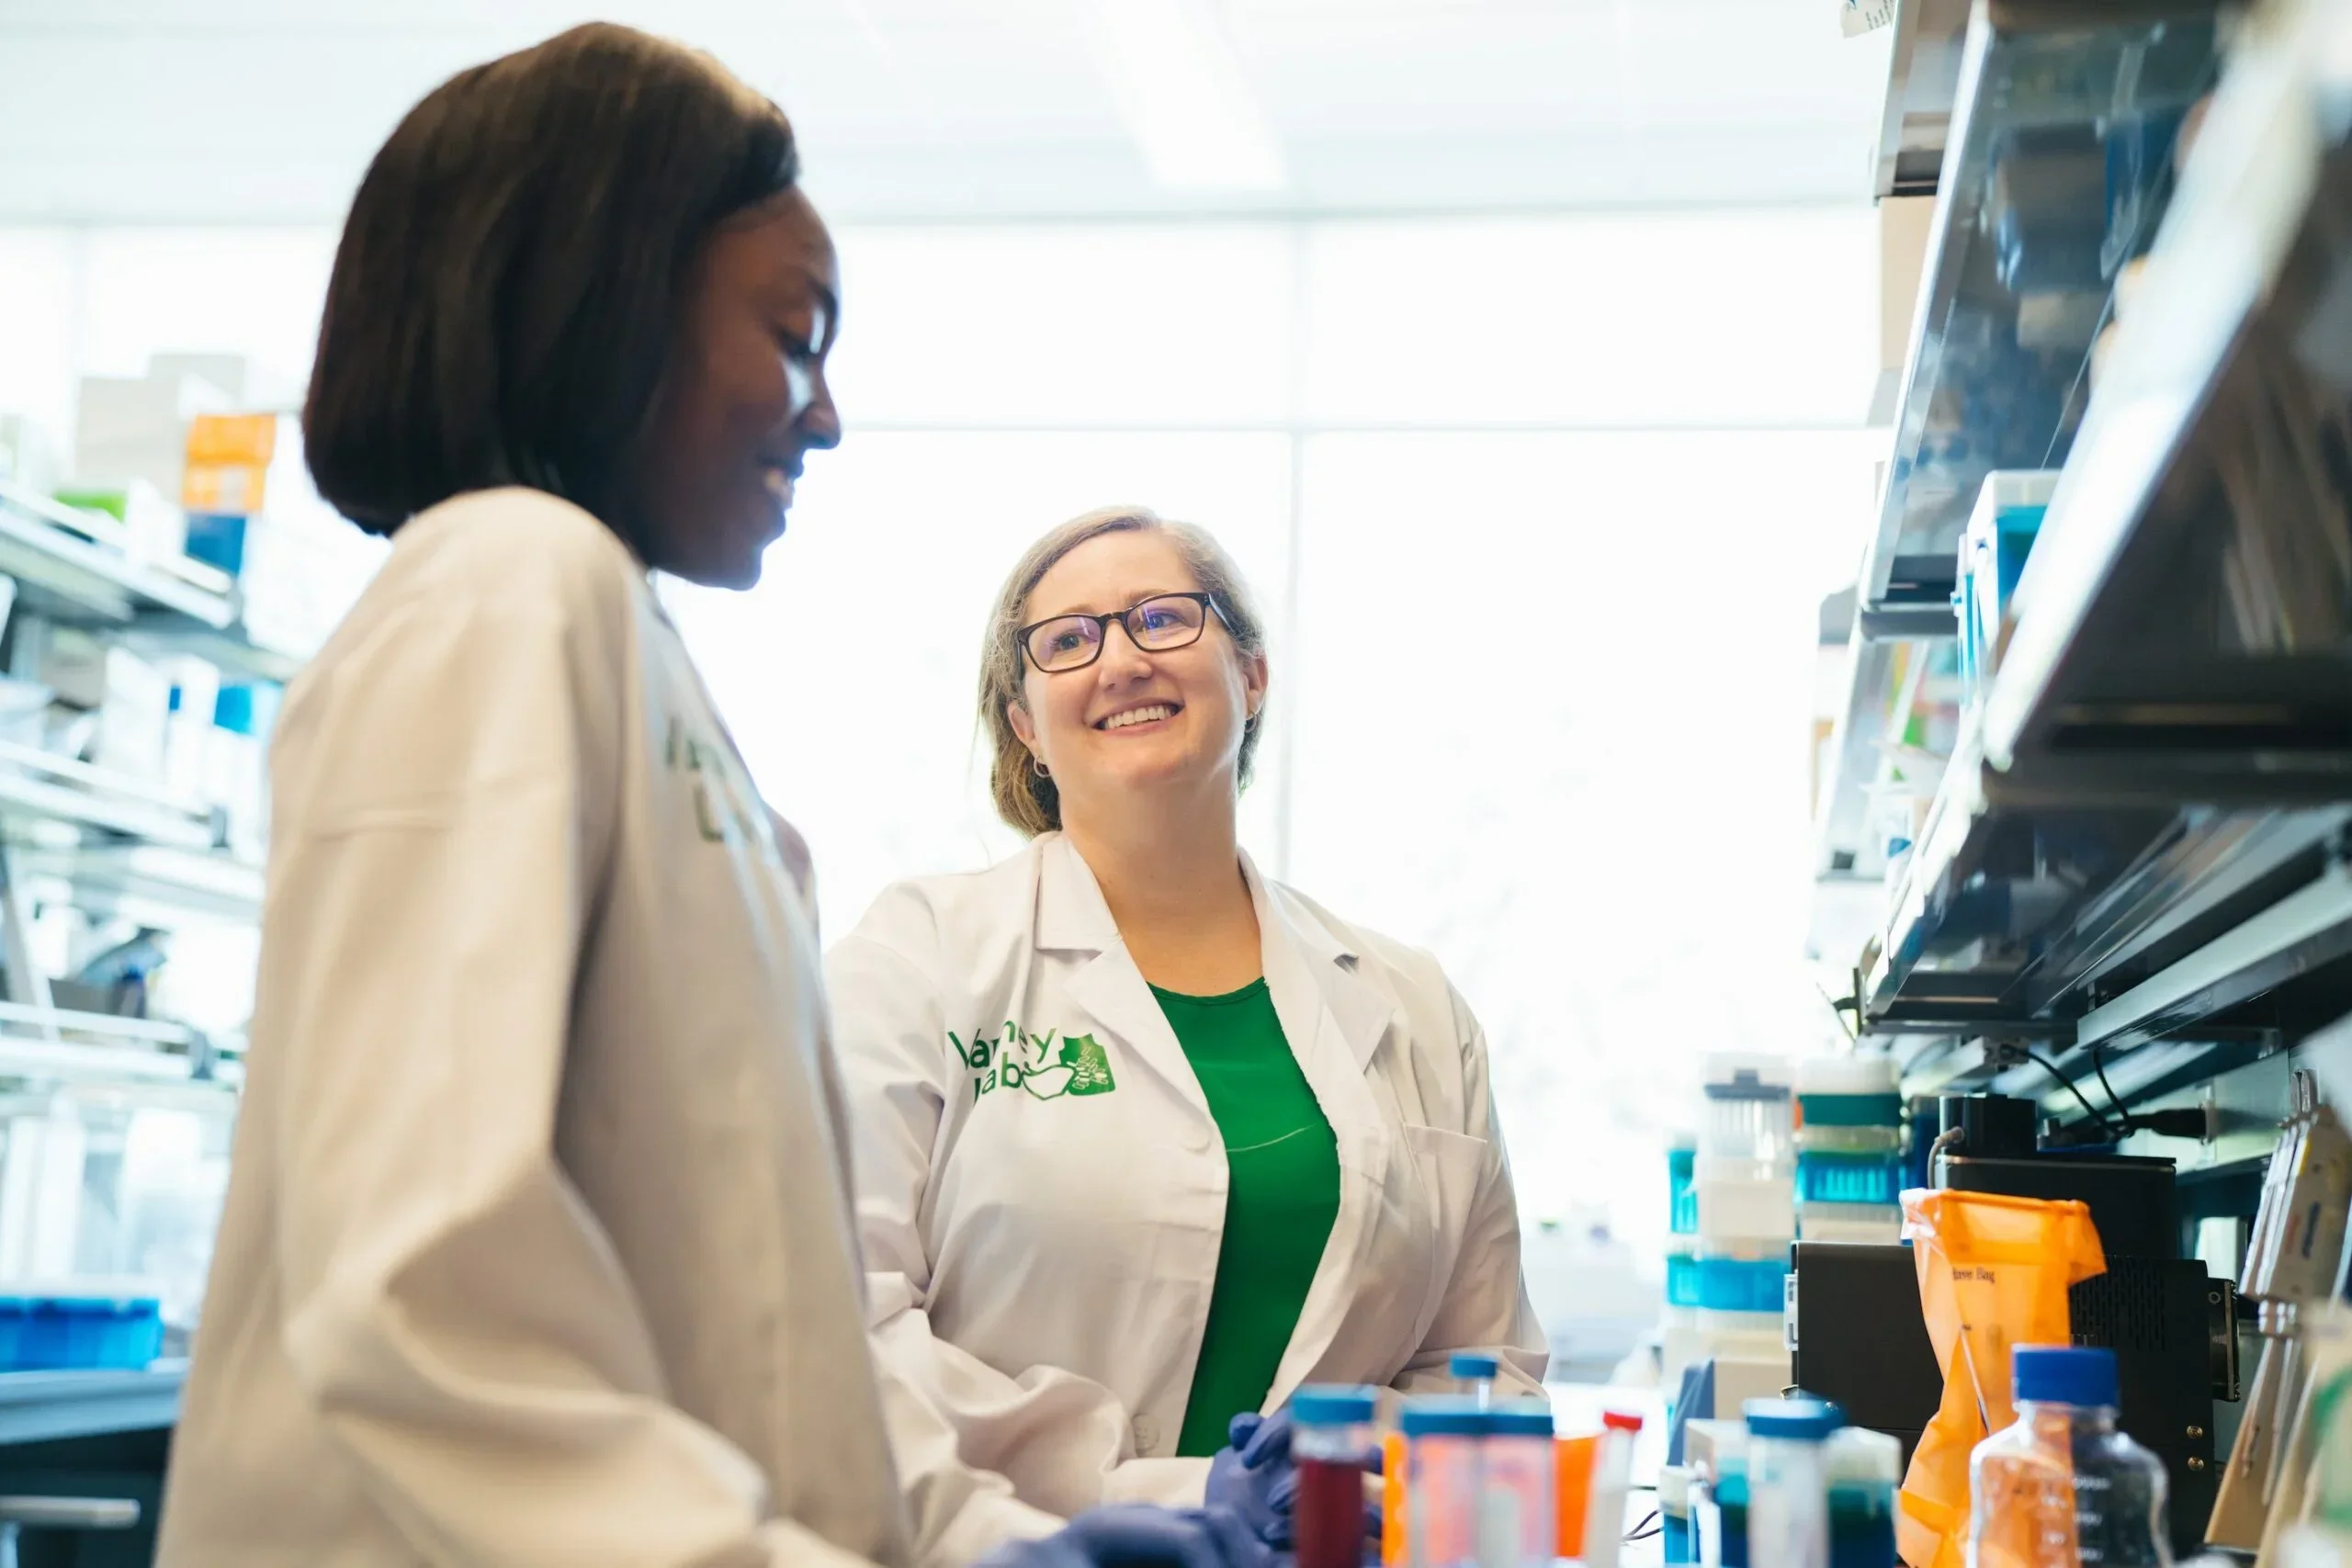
(538, 1245)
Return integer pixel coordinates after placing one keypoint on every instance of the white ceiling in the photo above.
(266, 110)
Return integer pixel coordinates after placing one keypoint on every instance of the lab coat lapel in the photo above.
(1072, 918)
(1335, 1022)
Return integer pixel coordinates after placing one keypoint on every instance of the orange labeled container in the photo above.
(248, 440)
(1572, 1488)
(1393, 1538)
(227, 463)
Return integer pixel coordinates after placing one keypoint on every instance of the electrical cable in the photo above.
(2114, 1101)
(1643, 1532)
(1838, 1006)
(2093, 1112)
(2183, 1122)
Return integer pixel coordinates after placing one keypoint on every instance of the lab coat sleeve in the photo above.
(1487, 1307)
(1059, 1442)
(451, 1305)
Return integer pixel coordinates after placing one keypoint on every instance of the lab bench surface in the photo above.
(37, 1407)
(96, 1435)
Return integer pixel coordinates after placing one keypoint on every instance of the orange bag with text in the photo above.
(1994, 1273)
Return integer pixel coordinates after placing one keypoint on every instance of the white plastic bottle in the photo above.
(1788, 1486)
(1612, 1475)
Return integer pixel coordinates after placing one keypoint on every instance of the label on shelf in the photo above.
(1860, 16)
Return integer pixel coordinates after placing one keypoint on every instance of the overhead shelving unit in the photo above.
(2019, 258)
(2137, 844)
(1923, 79)
(75, 568)
(112, 844)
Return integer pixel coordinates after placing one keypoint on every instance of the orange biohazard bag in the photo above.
(1993, 1274)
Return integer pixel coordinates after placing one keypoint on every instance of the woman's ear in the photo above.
(1024, 726)
(1254, 676)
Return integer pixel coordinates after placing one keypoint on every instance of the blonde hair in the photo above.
(1025, 799)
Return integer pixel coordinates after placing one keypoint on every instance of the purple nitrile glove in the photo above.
(1255, 1475)
(1140, 1535)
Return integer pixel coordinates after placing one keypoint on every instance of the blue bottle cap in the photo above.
(1470, 1364)
(1332, 1404)
(1520, 1419)
(1443, 1417)
(2065, 1374)
(1804, 1420)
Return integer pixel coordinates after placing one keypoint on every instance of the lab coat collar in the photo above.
(1290, 928)
(1072, 917)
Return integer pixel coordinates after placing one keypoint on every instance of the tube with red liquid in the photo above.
(1333, 1443)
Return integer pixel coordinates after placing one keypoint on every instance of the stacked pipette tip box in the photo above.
(1849, 1149)
(1743, 1182)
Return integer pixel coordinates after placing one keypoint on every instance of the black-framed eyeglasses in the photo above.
(1158, 625)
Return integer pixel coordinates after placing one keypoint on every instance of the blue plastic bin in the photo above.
(1828, 1177)
(1682, 1287)
(1682, 1191)
(79, 1333)
(1741, 1284)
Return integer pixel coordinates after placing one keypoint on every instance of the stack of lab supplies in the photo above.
(1467, 1481)
(1745, 1176)
(1849, 1149)
(1791, 1487)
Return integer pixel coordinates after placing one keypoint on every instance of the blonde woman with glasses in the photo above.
(1144, 1140)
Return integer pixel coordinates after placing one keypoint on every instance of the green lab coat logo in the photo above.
(1037, 1064)
(715, 819)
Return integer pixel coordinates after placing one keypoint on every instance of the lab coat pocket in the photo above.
(1448, 1165)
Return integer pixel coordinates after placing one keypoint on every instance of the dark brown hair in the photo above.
(503, 299)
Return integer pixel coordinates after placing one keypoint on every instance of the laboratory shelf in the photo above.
(2184, 625)
(1922, 79)
(43, 1406)
(150, 886)
(73, 567)
(1872, 750)
(2136, 855)
(126, 847)
(37, 785)
(2092, 922)
(2056, 166)
(51, 1043)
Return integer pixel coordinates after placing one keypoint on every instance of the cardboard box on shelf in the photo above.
(233, 374)
(136, 708)
(72, 665)
(132, 429)
(227, 463)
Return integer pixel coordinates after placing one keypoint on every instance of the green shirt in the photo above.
(1281, 1199)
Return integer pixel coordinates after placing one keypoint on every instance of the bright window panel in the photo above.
(1677, 320)
(1553, 722)
(252, 292)
(1142, 325)
(36, 286)
(871, 744)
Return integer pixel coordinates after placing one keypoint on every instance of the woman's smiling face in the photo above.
(1134, 720)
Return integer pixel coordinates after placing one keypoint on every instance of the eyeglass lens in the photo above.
(1067, 642)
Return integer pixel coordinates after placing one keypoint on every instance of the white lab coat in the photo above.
(1040, 1258)
(538, 1249)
